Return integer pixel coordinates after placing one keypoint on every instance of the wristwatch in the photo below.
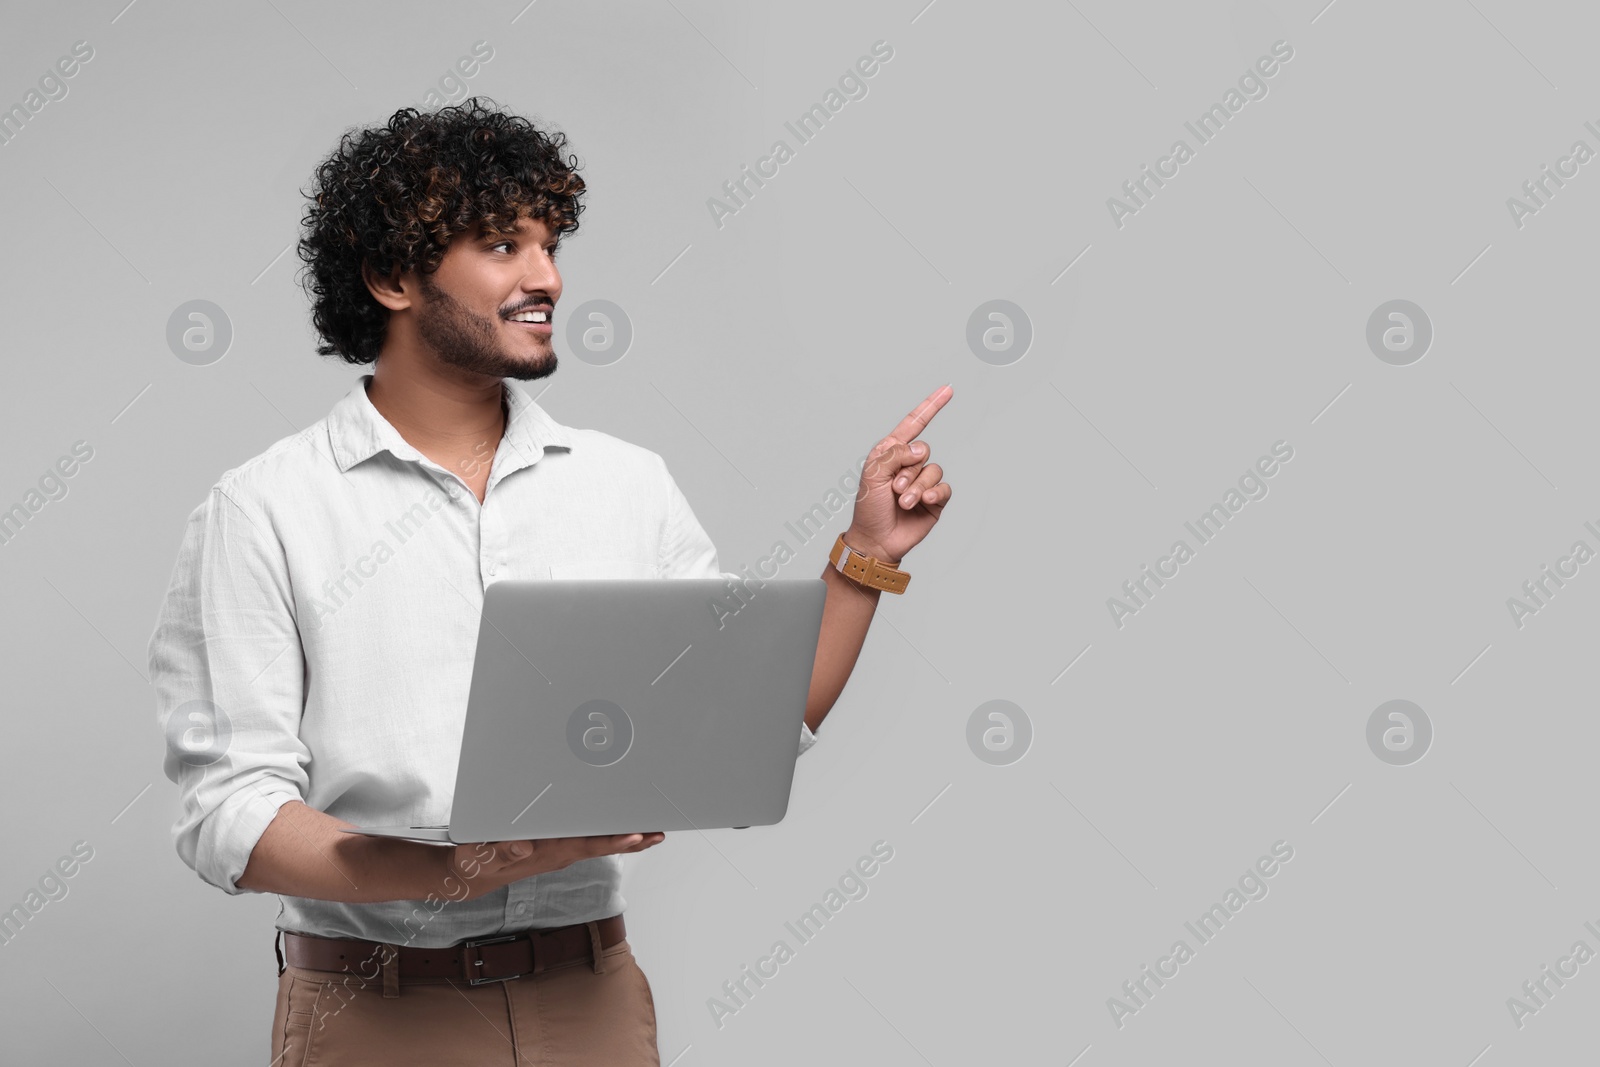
(866, 570)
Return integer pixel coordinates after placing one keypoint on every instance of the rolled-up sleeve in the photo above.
(687, 552)
(228, 671)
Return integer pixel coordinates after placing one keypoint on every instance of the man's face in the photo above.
(466, 312)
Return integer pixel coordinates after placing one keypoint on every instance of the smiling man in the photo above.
(430, 245)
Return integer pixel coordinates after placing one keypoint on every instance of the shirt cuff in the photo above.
(229, 834)
(807, 739)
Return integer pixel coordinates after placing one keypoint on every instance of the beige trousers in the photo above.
(586, 1012)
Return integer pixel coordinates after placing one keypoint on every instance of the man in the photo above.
(318, 633)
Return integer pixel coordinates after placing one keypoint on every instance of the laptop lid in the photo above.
(622, 705)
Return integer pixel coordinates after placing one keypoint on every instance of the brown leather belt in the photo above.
(488, 959)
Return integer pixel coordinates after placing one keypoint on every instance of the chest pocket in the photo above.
(603, 568)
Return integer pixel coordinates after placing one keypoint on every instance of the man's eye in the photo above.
(552, 250)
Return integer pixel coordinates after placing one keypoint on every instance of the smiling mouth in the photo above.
(533, 320)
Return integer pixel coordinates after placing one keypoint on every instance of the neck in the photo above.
(434, 410)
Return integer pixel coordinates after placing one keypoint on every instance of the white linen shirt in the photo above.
(326, 602)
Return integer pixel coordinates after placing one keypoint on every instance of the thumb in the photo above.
(887, 459)
(519, 850)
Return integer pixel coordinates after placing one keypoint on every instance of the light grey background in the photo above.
(1229, 313)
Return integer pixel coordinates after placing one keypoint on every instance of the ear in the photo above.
(389, 291)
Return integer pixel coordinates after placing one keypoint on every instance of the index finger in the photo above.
(917, 421)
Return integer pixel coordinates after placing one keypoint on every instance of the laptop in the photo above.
(631, 705)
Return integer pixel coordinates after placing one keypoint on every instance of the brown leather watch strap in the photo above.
(489, 959)
(867, 570)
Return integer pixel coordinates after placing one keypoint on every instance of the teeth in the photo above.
(531, 316)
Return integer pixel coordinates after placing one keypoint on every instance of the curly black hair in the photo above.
(395, 195)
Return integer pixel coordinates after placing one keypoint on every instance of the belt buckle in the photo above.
(479, 962)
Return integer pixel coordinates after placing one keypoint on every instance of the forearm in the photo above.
(846, 614)
(302, 853)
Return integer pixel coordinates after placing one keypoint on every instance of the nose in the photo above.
(542, 275)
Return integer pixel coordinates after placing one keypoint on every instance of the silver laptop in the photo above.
(631, 705)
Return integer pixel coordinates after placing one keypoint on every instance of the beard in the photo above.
(462, 338)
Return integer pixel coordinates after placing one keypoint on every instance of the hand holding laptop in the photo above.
(486, 866)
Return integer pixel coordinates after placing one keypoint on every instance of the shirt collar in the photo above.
(357, 432)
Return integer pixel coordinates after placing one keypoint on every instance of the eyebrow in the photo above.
(523, 228)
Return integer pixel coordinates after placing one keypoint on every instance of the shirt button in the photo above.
(522, 909)
(494, 568)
